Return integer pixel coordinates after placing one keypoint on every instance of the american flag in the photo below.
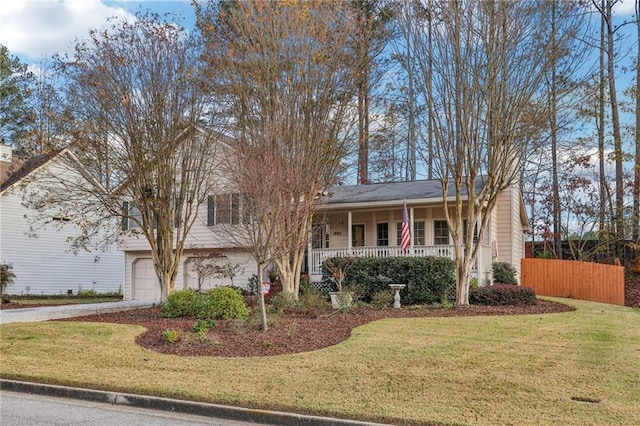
(406, 233)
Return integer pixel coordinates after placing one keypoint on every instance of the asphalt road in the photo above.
(22, 409)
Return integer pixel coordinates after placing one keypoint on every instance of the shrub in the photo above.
(252, 287)
(88, 293)
(473, 283)
(504, 273)
(182, 303)
(223, 303)
(202, 327)
(171, 336)
(382, 299)
(281, 301)
(6, 276)
(428, 279)
(502, 294)
(312, 302)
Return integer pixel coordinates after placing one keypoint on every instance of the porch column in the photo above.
(310, 266)
(480, 268)
(349, 237)
(411, 231)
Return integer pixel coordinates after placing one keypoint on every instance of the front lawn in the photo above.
(578, 367)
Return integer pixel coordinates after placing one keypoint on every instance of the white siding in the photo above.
(248, 267)
(186, 277)
(43, 264)
(510, 236)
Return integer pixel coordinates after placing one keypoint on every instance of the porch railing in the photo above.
(320, 255)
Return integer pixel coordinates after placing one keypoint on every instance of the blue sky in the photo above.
(36, 29)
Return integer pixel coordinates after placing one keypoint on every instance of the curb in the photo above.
(178, 406)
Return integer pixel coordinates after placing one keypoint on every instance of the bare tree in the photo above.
(372, 18)
(248, 168)
(205, 264)
(51, 122)
(605, 8)
(489, 60)
(286, 72)
(635, 216)
(137, 96)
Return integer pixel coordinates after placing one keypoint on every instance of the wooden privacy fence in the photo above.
(579, 280)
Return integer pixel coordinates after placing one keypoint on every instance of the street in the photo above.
(22, 409)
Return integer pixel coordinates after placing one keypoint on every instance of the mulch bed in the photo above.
(288, 333)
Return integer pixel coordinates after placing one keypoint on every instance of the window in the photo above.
(223, 209)
(357, 235)
(132, 216)
(382, 234)
(440, 233)
(418, 233)
(464, 233)
(319, 236)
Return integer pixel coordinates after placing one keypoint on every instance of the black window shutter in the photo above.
(125, 213)
(210, 210)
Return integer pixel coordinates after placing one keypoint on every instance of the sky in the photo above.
(37, 29)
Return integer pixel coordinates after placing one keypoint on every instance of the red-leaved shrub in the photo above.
(502, 294)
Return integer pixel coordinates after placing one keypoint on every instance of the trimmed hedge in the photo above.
(428, 279)
(224, 303)
(182, 303)
(217, 303)
(502, 294)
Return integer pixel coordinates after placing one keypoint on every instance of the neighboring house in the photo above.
(366, 220)
(42, 261)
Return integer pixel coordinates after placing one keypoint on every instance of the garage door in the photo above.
(145, 280)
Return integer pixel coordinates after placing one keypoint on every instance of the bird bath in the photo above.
(396, 297)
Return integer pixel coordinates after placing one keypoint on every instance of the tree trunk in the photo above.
(463, 275)
(600, 121)
(361, 80)
(553, 128)
(261, 304)
(289, 270)
(617, 137)
(635, 222)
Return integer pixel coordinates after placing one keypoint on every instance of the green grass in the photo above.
(532, 369)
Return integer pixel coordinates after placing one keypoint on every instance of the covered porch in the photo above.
(317, 256)
(376, 232)
(366, 221)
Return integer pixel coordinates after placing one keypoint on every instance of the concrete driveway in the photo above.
(68, 311)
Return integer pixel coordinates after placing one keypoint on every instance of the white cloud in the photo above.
(625, 8)
(36, 28)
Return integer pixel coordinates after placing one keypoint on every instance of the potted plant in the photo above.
(338, 267)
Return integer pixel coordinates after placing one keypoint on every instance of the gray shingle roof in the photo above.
(27, 167)
(393, 191)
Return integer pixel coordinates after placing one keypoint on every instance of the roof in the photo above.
(27, 167)
(417, 190)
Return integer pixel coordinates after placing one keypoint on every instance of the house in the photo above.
(207, 243)
(358, 220)
(42, 261)
(366, 220)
